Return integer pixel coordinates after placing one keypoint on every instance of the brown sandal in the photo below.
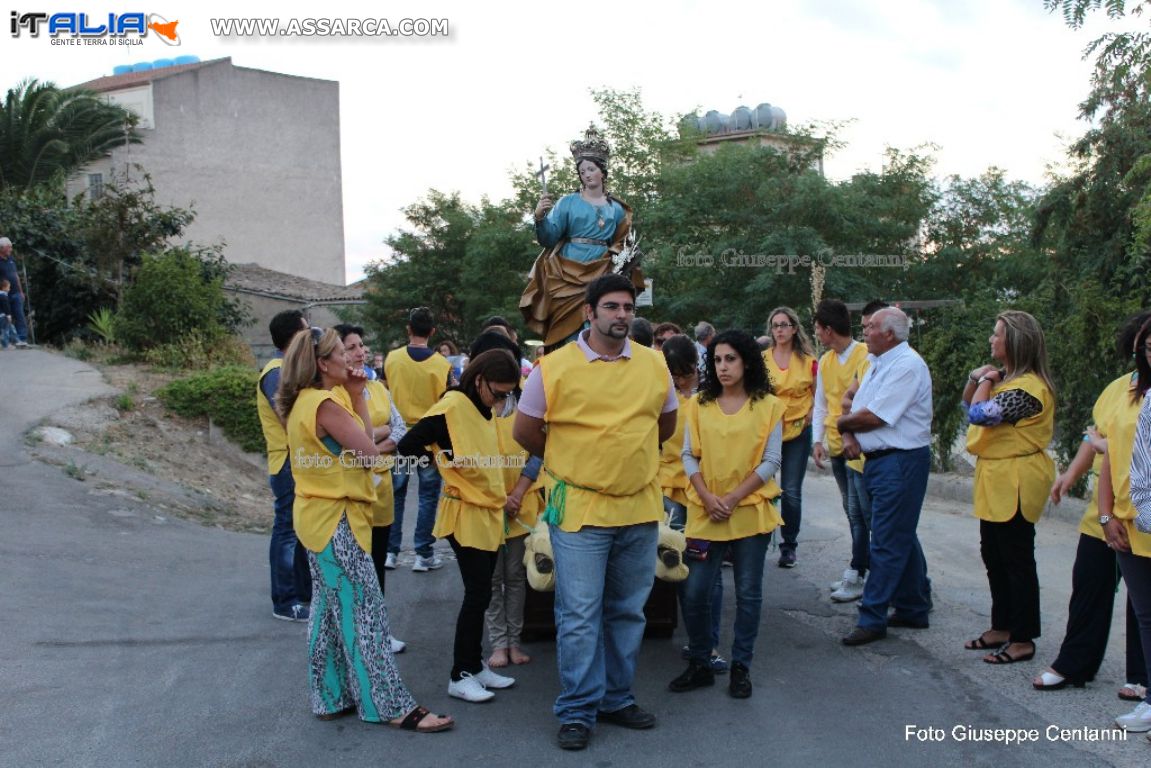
(412, 720)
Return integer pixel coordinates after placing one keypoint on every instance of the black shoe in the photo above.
(698, 674)
(740, 684)
(630, 716)
(786, 558)
(861, 636)
(895, 620)
(573, 736)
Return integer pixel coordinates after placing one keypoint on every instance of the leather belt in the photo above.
(588, 241)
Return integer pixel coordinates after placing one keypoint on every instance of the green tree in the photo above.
(47, 133)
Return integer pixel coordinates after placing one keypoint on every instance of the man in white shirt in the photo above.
(890, 424)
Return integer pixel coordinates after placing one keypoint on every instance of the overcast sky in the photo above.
(989, 82)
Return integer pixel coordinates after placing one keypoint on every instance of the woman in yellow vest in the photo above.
(351, 666)
(1012, 416)
(460, 433)
(731, 452)
(387, 430)
(1123, 478)
(792, 366)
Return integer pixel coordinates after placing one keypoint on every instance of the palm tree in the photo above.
(48, 133)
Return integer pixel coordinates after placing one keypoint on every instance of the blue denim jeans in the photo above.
(16, 301)
(792, 470)
(678, 521)
(4, 331)
(896, 484)
(423, 539)
(850, 485)
(749, 554)
(287, 559)
(603, 579)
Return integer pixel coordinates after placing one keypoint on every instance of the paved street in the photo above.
(130, 638)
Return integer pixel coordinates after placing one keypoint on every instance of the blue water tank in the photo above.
(159, 63)
(143, 66)
(121, 69)
(714, 122)
(182, 60)
(740, 119)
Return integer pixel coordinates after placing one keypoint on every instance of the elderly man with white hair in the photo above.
(890, 424)
(15, 291)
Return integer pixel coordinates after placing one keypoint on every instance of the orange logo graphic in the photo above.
(166, 30)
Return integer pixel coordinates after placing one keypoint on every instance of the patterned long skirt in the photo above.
(350, 660)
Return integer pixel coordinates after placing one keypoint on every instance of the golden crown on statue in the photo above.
(593, 146)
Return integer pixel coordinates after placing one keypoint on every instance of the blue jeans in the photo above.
(16, 301)
(287, 559)
(426, 512)
(678, 521)
(749, 554)
(4, 331)
(792, 469)
(896, 484)
(603, 579)
(1137, 574)
(850, 485)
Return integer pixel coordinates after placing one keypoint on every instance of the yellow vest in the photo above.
(1014, 471)
(532, 504)
(729, 448)
(672, 479)
(380, 411)
(416, 387)
(795, 387)
(1112, 396)
(603, 435)
(327, 486)
(1120, 432)
(472, 502)
(274, 435)
(837, 378)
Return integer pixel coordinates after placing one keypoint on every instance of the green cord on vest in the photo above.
(557, 501)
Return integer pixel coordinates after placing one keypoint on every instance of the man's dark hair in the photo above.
(605, 284)
(680, 354)
(874, 306)
(641, 332)
(347, 329)
(421, 322)
(833, 314)
(284, 327)
(493, 340)
(496, 320)
(663, 328)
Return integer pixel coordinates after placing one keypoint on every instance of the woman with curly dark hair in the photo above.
(731, 450)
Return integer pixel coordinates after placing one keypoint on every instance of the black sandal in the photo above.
(1003, 657)
(980, 644)
(412, 720)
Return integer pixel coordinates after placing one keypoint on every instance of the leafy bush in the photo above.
(196, 351)
(101, 322)
(227, 395)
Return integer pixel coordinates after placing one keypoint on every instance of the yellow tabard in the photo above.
(532, 504)
(1014, 471)
(1113, 395)
(857, 464)
(729, 448)
(795, 387)
(380, 411)
(472, 502)
(416, 387)
(672, 480)
(1120, 431)
(837, 378)
(274, 435)
(603, 435)
(326, 487)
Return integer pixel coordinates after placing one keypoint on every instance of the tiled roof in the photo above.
(252, 278)
(117, 82)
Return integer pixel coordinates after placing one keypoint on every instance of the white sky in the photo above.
(990, 82)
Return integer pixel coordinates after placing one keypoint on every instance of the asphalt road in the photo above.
(132, 639)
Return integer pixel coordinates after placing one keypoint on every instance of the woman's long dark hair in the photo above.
(497, 366)
(1142, 366)
(756, 382)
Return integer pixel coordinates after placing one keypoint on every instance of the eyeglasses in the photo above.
(317, 334)
(612, 306)
(781, 326)
(497, 396)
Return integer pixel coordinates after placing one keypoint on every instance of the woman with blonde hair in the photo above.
(792, 366)
(1012, 416)
(331, 446)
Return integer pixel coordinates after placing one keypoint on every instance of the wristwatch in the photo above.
(1104, 519)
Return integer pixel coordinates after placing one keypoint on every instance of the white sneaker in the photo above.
(489, 679)
(398, 646)
(1137, 720)
(390, 562)
(851, 588)
(849, 573)
(469, 688)
(424, 564)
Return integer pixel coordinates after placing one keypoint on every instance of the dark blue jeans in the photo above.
(16, 301)
(287, 560)
(678, 520)
(749, 554)
(429, 492)
(792, 470)
(896, 484)
(850, 485)
(1137, 574)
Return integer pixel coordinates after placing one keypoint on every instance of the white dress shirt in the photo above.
(897, 389)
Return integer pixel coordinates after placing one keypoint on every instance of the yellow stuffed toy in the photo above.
(669, 564)
(538, 559)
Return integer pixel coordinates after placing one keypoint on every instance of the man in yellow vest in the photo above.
(607, 404)
(291, 580)
(417, 377)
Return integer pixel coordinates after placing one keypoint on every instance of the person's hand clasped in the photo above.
(715, 507)
(1115, 532)
(512, 505)
(851, 448)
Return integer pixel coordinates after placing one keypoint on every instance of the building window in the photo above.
(95, 186)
